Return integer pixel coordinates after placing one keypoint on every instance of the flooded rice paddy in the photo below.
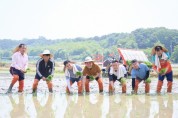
(93, 105)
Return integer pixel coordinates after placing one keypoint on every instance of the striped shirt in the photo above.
(45, 69)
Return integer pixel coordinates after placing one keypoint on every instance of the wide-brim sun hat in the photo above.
(88, 59)
(45, 52)
(153, 52)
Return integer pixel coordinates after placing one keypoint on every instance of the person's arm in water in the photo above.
(133, 79)
(147, 72)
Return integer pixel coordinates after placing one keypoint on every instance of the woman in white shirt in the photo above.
(18, 67)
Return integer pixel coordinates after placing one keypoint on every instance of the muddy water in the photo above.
(93, 105)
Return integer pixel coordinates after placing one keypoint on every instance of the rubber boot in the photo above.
(10, 88)
(87, 88)
(14, 80)
(124, 88)
(169, 87)
(21, 86)
(159, 86)
(35, 84)
(100, 84)
(147, 87)
(79, 84)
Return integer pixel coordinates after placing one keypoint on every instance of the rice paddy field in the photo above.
(89, 105)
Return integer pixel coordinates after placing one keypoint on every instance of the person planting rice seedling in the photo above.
(117, 72)
(49, 78)
(73, 73)
(162, 66)
(19, 67)
(91, 69)
(162, 71)
(44, 70)
(140, 72)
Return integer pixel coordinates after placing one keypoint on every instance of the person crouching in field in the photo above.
(140, 72)
(73, 73)
(18, 67)
(117, 72)
(44, 70)
(162, 66)
(92, 72)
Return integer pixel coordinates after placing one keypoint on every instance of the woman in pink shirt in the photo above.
(18, 67)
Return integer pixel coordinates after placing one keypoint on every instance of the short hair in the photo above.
(66, 62)
(133, 61)
(114, 61)
(158, 48)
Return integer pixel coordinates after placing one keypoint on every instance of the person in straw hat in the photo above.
(44, 70)
(73, 73)
(162, 66)
(92, 72)
(19, 67)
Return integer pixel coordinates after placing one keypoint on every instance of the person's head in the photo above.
(135, 64)
(159, 50)
(67, 64)
(22, 48)
(88, 62)
(46, 55)
(115, 64)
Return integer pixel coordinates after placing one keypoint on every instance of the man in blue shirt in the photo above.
(140, 72)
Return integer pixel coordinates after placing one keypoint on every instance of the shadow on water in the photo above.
(88, 106)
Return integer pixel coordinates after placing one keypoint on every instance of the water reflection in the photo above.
(165, 105)
(89, 106)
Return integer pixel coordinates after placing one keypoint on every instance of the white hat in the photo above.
(46, 52)
(88, 59)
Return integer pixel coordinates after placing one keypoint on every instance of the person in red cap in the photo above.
(92, 72)
(19, 67)
(44, 70)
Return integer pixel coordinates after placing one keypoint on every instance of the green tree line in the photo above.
(79, 48)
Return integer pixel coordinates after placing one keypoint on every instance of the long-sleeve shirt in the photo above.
(45, 69)
(19, 61)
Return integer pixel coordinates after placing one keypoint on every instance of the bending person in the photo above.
(73, 74)
(44, 70)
